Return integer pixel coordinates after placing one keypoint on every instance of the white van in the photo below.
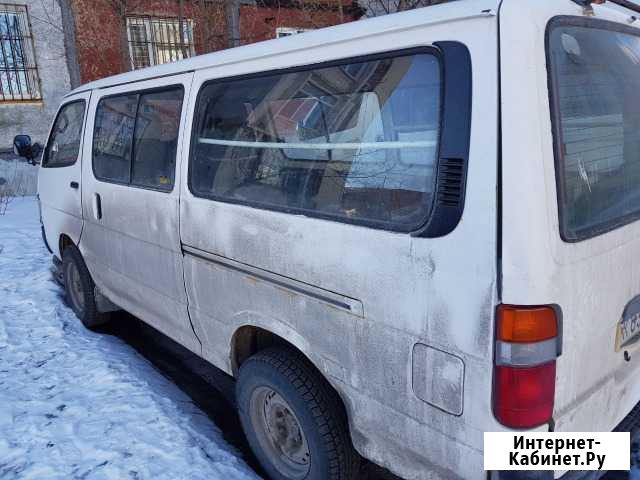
(397, 234)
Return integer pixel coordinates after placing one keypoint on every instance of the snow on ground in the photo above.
(80, 405)
(20, 176)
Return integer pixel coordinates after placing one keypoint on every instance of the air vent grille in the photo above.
(450, 181)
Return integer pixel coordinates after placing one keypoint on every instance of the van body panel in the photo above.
(133, 251)
(591, 280)
(61, 205)
(405, 284)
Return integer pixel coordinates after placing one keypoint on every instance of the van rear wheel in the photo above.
(80, 289)
(294, 421)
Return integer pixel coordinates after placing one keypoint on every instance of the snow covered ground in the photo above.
(80, 405)
(19, 175)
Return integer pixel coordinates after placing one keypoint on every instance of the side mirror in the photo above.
(22, 145)
(36, 150)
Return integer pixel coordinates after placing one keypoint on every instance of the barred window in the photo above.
(18, 72)
(153, 41)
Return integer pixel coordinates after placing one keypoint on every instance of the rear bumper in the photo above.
(630, 423)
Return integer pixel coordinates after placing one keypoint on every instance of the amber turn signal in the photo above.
(526, 324)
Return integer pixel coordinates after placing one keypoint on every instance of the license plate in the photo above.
(628, 328)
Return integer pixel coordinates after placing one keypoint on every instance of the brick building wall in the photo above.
(101, 35)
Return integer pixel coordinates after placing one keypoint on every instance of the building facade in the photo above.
(52, 46)
(137, 33)
(34, 75)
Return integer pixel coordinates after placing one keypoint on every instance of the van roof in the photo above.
(315, 38)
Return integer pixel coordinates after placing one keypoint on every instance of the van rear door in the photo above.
(571, 196)
(59, 179)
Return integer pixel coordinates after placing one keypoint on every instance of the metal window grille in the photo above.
(153, 41)
(288, 31)
(18, 71)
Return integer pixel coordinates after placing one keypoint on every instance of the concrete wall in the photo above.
(34, 118)
(17, 176)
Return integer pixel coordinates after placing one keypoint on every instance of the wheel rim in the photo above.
(279, 433)
(74, 287)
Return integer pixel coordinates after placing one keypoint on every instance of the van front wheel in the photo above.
(293, 420)
(80, 289)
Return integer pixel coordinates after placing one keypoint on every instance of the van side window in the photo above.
(136, 137)
(357, 142)
(115, 119)
(63, 146)
(156, 139)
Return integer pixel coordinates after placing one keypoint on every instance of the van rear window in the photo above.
(595, 75)
(356, 141)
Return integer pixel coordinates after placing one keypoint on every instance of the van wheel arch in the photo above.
(249, 340)
(63, 243)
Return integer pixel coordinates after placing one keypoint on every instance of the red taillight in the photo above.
(523, 397)
(525, 371)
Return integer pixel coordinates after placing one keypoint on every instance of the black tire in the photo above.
(85, 305)
(315, 406)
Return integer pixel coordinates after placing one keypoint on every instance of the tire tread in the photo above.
(91, 317)
(322, 401)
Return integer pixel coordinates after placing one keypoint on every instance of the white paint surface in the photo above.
(591, 280)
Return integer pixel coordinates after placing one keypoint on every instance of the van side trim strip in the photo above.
(349, 304)
(320, 146)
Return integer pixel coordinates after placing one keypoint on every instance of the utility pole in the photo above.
(183, 46)
(232, 8)
(71, 52)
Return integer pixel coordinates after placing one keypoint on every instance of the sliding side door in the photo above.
(131, 241)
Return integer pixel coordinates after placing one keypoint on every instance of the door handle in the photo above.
(97, 206)
(74, 185)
